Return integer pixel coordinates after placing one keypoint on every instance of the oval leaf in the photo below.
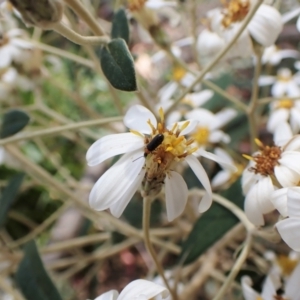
(8, 196)
(13, 122)
(117, 65)
(32, 277)
(120, 27)
(211, 226)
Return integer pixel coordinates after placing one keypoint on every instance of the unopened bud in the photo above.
(41, 13)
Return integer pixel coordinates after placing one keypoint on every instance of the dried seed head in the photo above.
(41, 13)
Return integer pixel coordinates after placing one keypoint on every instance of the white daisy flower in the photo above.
(284, 110)
(264, 27)
(208, 130)
(151, 150)
(270, 168)
(13, 48)
(138, 289)
(285, 84)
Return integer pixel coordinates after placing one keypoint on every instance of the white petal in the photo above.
(5, 57)
(200, 98)
(292, 284)
(291, 159)
(282, 134)
(111, 295)
(224, 155)
(140, 287)
(293, 202)
(219, 136)
(219, 160)
(279, 89)
(266, 80)
(285, 176)
(265, 25)
(167, 91)
(203, 116)
(224, 116)
(279, 200)
(117, 208)
(176, 195)
(248, 292)
(295, 120)
(289, 229)
(116, 180)
(112, 145)
(264, 192)
(290, 15)
(276, 117)
(221, 178)
(252, 210)
(203, 178)
(136, 118)
(271, 285)
(293, 144)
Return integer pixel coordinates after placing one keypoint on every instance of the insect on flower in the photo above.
(154, 143)
(160, 147)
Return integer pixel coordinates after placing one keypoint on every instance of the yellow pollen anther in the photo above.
(161, 115)
(192, 150)
(287, 264)
(174, 127)
(134, 5)
(160, 127)
(184, 125)
(136, 132)
(169, 149)
(190, 141)
(258, 143)
(178, 141)
(235, 11)
(151, 126)
(248, 157)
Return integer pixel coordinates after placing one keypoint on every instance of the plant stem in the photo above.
(236, 268)
(251, 112)
(77, 38)
(50, 131)
(149, 247)
(81, 11)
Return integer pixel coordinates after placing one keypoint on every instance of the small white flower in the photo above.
(264, 27)
(285, 84)
(146, 166)
(284, 110)
(13, 48)
(267, 168)
(136, 290)
(208, 128)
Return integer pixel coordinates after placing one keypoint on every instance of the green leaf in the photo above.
(120, 27)
(13, 121)
(32, 277)
(117, 65)
(211, 226)
(8, 196)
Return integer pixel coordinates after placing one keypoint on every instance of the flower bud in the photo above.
(42, 13)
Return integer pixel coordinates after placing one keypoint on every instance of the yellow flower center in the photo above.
(285, 103)
(201, 136)
(135, 5)
(287, 264)
(172, 147)
(178, 73)
(266, 160)
(235, 11)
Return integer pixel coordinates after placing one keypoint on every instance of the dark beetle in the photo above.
(154, 143)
